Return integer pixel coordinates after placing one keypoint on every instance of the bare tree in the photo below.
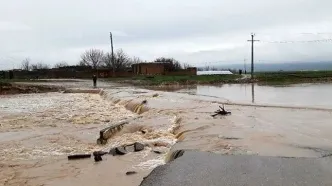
(39, 66)
(92, 57)
(122, 61)
(26, 64)
(186, 65)
(172, 63)
(135, 60)
(61, 64)
(107, 60)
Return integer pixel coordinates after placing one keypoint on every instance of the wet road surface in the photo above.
(203, 168)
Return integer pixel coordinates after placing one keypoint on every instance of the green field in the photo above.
(183, 80)
(293, 77)
(269, 78)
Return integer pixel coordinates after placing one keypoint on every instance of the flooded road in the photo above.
(38, 131)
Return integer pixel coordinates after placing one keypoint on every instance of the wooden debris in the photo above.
(131, 173)
(157, 152)
(98, 158)
(79, 156)
(221, 111)
(99, 153)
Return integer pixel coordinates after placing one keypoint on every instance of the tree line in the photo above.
(29, 66)
(96, 58)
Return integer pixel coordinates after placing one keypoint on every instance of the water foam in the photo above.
(151, 164)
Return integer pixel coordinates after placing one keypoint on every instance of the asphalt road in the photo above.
(202, 169)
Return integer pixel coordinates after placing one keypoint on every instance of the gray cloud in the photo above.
(193, 31)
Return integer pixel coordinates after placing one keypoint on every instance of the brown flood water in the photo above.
(311, 95)
(38, 131)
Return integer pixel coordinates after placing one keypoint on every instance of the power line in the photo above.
(293, 34)
(307, 41)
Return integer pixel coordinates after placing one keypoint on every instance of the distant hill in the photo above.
(270, 67)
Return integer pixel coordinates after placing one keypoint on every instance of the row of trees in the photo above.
(27, 65)
(96, 58)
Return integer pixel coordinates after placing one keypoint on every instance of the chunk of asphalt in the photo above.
(138, 147)
(129, 148)
(112, 152)
(120, 151)
(176, 154)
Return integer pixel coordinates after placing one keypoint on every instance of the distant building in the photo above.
(148, 68)
(160, 69)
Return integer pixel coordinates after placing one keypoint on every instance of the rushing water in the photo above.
(47, 127)
(312, 95)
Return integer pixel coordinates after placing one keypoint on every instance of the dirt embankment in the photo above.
(12, 88)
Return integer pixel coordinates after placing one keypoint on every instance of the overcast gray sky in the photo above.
(192, 31)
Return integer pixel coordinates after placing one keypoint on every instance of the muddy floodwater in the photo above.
(39, 131)
(312, 95)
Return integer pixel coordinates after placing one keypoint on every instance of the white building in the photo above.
(213, 72)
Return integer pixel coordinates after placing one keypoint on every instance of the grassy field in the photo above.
(293, 77)
(269, 78)
(182, 80)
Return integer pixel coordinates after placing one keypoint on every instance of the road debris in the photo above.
(79, 156)
(221, 111)
(131, 173)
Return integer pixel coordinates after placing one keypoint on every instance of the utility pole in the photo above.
(252, 54)
(111, 37)
(245, 65)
